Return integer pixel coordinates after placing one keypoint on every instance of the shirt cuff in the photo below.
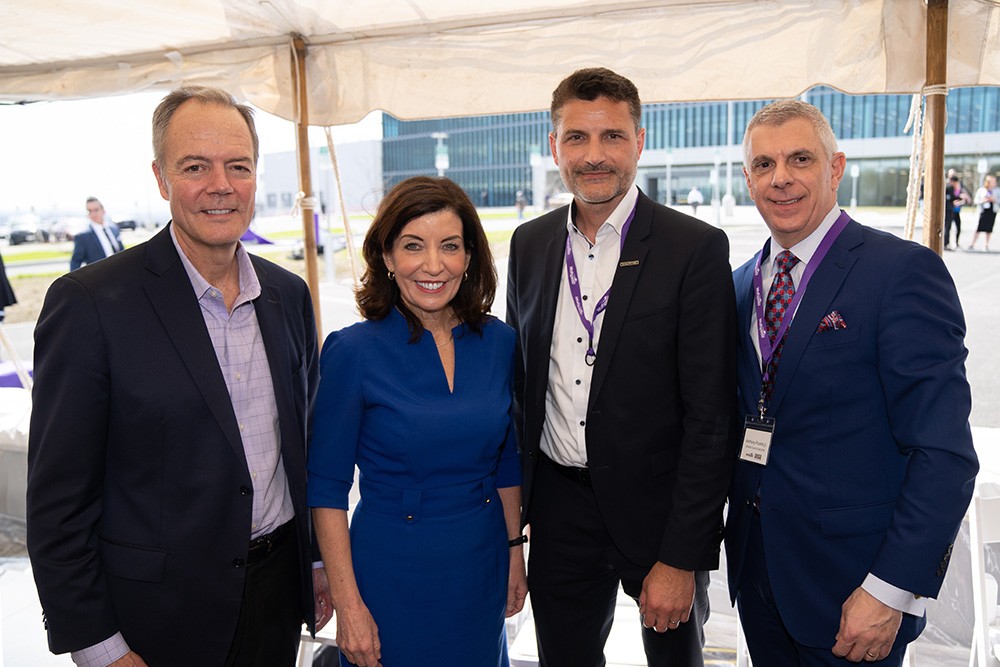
(897, 598)
(103, 654)
(317, 564)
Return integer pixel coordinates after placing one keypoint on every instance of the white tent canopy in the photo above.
(432, 58)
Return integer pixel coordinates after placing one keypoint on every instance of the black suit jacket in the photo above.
(6, 293)
(662, 397)
(139, 498)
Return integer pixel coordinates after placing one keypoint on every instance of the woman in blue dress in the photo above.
(418, 397)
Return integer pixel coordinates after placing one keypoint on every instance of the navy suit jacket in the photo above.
(87, 248)
(139, 498)
(660, 412)
(871, 464)
(6, 293)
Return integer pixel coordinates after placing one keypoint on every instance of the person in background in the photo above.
(418, 397)
(695, 199)
(856, 464)
(166, 492)
(987, 198)
(7, 297)
(625, 318)
(102, 239)
(954, 196)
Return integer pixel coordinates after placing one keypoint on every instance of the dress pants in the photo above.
(768, 641)
(573, 574)
(270, 624)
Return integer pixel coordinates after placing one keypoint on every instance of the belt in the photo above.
(580, 476)
(263, 546)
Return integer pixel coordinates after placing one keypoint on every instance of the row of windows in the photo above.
(492, 153)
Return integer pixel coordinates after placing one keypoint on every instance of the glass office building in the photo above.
(695, 143)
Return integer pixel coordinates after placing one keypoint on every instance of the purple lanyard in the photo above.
(574, 290)
(766, 348)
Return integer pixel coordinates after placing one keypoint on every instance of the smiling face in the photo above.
(429, 259)
(208, 175)
(792, 178)
(597, 148)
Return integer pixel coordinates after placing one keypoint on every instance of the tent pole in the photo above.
(935, 90)
(307, 202)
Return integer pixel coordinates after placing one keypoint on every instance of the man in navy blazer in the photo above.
(102, 239)
(625, 427)
(166, 460)
(857, 464)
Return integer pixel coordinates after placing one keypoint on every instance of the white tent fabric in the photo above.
(431, 58)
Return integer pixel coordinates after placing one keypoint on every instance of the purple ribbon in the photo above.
(574, 290)
(766, 347)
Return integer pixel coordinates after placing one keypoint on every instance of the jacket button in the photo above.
(246, 490)
(237, 563)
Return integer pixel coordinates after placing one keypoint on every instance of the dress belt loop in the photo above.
(411, 504)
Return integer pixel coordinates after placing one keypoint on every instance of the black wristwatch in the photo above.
(520, 539)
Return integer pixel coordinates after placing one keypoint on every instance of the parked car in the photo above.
(126, 224)
(26, 228)
(65, 228)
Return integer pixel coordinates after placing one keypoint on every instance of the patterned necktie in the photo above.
(780, 295)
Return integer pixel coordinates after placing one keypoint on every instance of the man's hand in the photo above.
(323, 600)
(666, 598)
(130, 659)
(867, 628)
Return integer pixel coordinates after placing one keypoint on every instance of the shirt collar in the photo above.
(618, 216)
(249, 283)
(806, 248)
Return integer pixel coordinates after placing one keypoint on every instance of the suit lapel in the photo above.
(174, 301)
(622, 287)
(815, 304)
(750, 372)
(552, 263)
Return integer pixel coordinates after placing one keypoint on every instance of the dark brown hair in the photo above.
(408, 200)
(593, 82)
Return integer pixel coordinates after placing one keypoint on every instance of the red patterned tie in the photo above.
(780, 295)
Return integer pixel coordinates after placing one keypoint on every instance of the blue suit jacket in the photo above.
(87, 248)
(139, 498)
(871, 465)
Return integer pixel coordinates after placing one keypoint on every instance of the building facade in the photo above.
(695, 143)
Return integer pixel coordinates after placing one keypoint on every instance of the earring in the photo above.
(466, 276)
(392, 276)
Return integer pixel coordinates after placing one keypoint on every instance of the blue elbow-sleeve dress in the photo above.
(428, 538)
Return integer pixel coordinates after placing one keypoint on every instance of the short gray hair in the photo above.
(205, 94)
(782, 111)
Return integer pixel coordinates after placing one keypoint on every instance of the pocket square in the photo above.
(831, 322)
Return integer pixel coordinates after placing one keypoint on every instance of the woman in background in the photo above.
(418, 396)
(986, 198)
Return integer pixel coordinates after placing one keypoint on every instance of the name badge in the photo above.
(757, 432)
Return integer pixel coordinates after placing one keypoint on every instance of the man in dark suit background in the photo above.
(102, 239)
(7, 297)
(857, 462)
(166, 463)
(624, 413)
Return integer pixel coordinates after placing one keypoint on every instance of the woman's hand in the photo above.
(357, 636)
(517, 582)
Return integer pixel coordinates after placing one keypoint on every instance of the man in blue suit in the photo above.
(100, 240)
(856, 461)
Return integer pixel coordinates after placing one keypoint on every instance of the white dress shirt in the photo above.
(564, 430)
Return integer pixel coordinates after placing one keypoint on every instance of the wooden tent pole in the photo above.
(307, 202)
(935, 90)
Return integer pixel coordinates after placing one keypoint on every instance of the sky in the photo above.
(53, 155)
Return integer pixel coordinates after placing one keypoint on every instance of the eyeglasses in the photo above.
(94, 210)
